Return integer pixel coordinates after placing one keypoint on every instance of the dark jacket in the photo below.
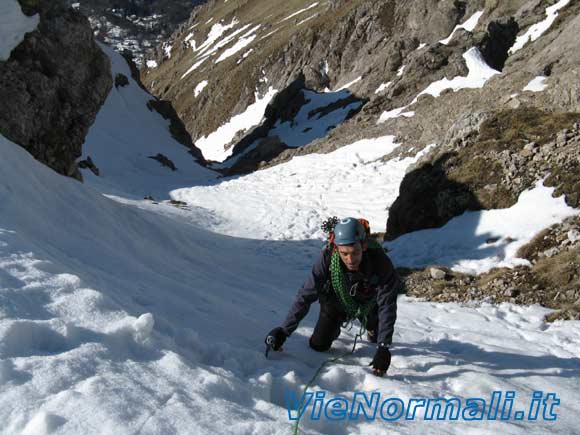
(376, 278)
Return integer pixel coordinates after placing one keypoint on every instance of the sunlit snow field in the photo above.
(120, 315)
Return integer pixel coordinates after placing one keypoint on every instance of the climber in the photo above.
(352, 278)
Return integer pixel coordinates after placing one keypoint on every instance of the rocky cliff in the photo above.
(495, 85)
(230, 54)
(52, 86)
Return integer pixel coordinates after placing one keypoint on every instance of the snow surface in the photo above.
(133, 318)
(213, 43)
(13, 26)
(306, 19)
(479, 73)
(537, 84)
(246, 54)
(123, 316)
(469, 25)
(167, 49)
(395, 113)
(315, 186)
(125, 133)
(213, 145)
(536, 30)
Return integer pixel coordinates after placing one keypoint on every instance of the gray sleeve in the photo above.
(308, 293)
(390, 285)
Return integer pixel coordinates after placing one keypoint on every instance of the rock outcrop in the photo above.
(513, 150)
(53, 85)
(553, 280)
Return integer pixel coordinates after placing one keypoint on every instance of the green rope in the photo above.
(353, 309)
(324, 363)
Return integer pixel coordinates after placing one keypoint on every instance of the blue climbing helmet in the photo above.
(349, 231)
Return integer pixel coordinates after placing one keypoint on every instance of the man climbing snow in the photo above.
(352, 278)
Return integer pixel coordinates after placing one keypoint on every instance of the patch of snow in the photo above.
(13, 26)
(422, 45)
(242, 43)
(167, 49)
(213, 145)
(215, 33)
(305, 128)
(382, 87)
(200, 87)
(306, 19)
(400, 71)
(479, 73)
(125, 133)
(151, 64)
(269, 34)
(536, 30)
(299, 12)
(395, 113)
(349, 84)
(206, 52)
(325, 68)
(469, 25)
(193, 67)
(246, 54)
(345, 182)
(538, 84)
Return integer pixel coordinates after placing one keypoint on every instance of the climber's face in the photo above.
(351, 255)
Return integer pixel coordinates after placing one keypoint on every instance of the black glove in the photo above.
(278, 338)
(382, 360)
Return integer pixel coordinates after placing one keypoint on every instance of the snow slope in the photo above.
(123, 316)
(290, 201)
(118, 320)
(125, 133)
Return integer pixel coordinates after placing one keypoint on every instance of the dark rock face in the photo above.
(52, 86)
(121, 80)
(176, 127)
(266, 150)
(164, 160)
(501, 34)
(428, 198)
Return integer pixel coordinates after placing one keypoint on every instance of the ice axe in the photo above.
(269, 343)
